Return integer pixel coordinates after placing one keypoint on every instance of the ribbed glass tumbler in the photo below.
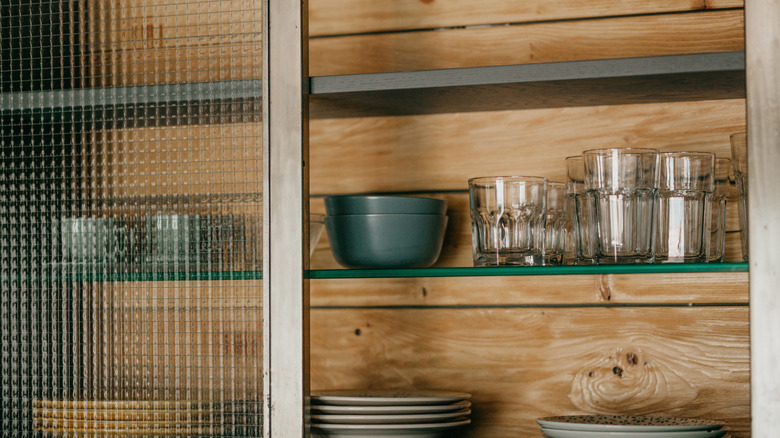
(685, 193)
(507, 220)
(622, 185)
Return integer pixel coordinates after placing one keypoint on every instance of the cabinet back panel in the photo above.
(582, 290)
(524, 363)
(441, 152)
(621, 37)
(338, 17)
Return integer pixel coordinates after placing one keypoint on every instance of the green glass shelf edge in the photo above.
(498, 271)
(118, 277)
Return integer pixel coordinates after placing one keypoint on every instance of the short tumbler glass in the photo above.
(580, 211)
(684, 207)
(622, 186)
(507, 220)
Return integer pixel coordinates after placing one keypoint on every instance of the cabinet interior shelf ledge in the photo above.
(668, 78)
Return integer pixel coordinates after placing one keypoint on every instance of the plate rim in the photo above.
(391, 427)
(550, 423)
(388, 409)
(391, 418)
(644, 434)
(385, 397)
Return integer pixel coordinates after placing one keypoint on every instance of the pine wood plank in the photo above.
(442, 151)
(534, 291)
(337, 17)
(521, 364)
(665, 34)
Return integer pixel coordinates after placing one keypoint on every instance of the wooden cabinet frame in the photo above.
(762, 42)
(285, 85)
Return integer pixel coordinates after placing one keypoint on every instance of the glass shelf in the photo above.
(100, 277)
(497, 271)
(323, 274)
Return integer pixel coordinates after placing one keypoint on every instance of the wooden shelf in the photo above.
(576, 83)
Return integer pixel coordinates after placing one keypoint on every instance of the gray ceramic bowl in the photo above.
(380, 204)
(386, 241)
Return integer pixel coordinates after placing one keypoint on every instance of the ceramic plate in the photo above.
(563, 433)
(387, 398)
(431, 430)
(627, 423)
(391, 419)
(385, 410)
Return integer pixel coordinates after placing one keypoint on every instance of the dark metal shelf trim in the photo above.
(557, 71)
(133, 95)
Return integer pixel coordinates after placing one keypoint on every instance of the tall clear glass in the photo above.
(507, 220)
(580, 211)
(622, 185)
(740, 162)
(722, 178)
(555, 228)
(686, 186)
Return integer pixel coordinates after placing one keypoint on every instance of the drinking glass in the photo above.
(722, 182)
(507, 219)
(555, 224)
(622, 186)
(740, 163)
(684, 207)
(580, 211)
(173, 241)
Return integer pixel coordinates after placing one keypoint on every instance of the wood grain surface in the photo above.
(711, 31)
(442, 151)
(521, 364)
(573, 290)
(763, 156)
(337, 17)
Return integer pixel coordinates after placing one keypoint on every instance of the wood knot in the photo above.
(604, 286)
(611, 380)
(426, 2)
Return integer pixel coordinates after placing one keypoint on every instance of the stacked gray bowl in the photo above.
(385, 232)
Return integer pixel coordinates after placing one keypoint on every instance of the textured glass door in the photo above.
(131, 218)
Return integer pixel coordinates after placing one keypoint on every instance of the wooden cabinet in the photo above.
(514, 98)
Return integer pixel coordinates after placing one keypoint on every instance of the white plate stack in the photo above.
(625, 426)
(366, 413)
